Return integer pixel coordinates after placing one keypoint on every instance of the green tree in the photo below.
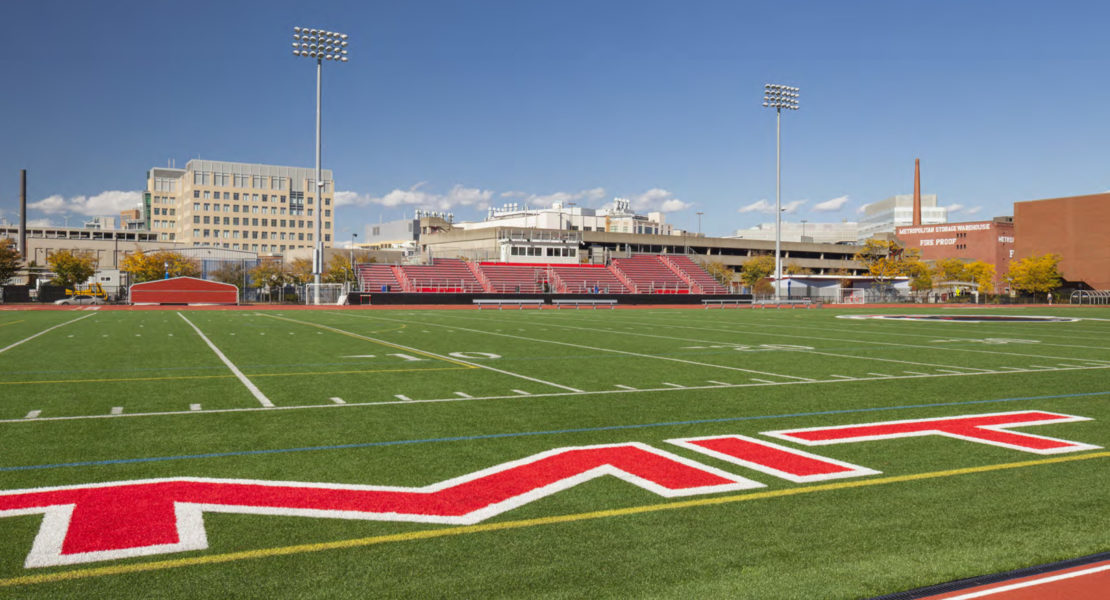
(148, 266)
(720, 271)
(1035, 274)
(950, 269)
(883, 260)
(338, 269)
(921, 278)
(755, 270)
(9, 260)
(793, 268)
(982, 274)
(268, 275)
(230, 272)
(300, 271)
(71, 267)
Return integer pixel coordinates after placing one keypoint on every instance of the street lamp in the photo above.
(700, 213)
(321, 45)
(779, 97)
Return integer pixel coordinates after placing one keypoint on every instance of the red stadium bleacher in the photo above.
(651, 276)
(509, 278)
(586, 279)
(444, 275)
(702, 281)
(374, 278)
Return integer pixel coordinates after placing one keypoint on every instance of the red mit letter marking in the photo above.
(773, 459)
(105, 521)
(984, 429)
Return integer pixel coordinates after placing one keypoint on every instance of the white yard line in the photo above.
(257, 393)
(522, 392)
(718, 382)
(624, 387)
(595, 348)
(832, 339)
(463, 395)
(406, 400)
(44, 331)
(425, 352)
(893, 360)
(674, 385)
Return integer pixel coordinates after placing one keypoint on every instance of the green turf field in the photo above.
(399, 399)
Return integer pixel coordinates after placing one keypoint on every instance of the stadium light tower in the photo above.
(779, 97)
(321, 45)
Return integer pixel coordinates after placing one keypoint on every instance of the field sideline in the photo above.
(424, 453)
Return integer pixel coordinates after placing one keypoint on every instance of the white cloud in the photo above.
(40, 223)
(760, 206)
(658, 199)
(792, 207)
(972, 211)
(766, 207)
(108, 203)
(588, 197)
(862, 209)
(831, 205)
(955, 208)
(418, 197)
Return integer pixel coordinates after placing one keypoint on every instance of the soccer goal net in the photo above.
(330, 293)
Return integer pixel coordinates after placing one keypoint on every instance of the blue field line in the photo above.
(490, 436)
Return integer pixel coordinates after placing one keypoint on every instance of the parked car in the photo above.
(81, 299)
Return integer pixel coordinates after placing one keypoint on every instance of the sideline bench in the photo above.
(806, 302)
(724, 301)
(519, 303)
(580, 303)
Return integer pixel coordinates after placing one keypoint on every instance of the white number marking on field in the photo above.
(473, 355)
(338, 400)
(117, 410)
(407, 357)
(402, 397)
(34, 414)
(194, 407)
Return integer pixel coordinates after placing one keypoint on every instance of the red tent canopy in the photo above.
(183, 290)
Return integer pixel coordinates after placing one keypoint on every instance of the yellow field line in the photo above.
(179, 377)
(481, 528)
(11, 323)
(372, 340)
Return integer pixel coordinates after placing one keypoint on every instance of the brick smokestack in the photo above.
(23, 213)
(916, 192)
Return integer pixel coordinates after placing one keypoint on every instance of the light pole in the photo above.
(700, 213)
(779, 97)
(351, 258)
(804, 229)
(321, 45)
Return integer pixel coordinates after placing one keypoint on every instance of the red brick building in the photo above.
(989, 241)
(1077, 228)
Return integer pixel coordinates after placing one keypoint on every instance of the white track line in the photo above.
(1025, 584)
(425, 352)
(47, 330)
(406, 400)
(595, 348)
(257, 393)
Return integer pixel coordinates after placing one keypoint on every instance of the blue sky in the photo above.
(457, 105)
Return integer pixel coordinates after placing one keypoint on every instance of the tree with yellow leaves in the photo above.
(148, 266)
(71, 267)
(1035, 274)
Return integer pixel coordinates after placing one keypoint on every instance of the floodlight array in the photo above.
(320, 44)
(780, 96)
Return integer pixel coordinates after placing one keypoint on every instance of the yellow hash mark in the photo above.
(519, 524)
(11, 323)
(370, 339)
(179, 377)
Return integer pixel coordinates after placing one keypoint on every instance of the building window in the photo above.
(378, 230)
(196, 233)
(235, 196)
(327, 213)
(327, 237)
(196, 219)
(196, 193)
(309, 212)
(240, 181)
(207, 220)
